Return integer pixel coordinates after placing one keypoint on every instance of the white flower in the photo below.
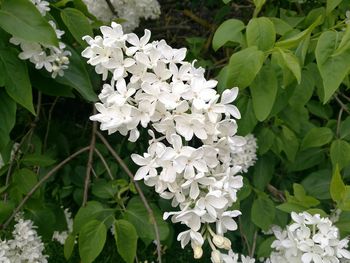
(26, 245)
(53, 59)
(309, 238)
(194, 155)
(61, 237)
(190, 235)
(130, 11)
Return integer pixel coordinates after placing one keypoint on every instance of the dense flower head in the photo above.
(53, 59)
(26, 245)
(194, 156)
(130, 12)
(309, 238)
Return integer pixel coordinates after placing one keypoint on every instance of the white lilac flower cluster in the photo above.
(309, 238)
(54, 59)
(61, 237)
(131, 11)
(26, 245)
(193, 153)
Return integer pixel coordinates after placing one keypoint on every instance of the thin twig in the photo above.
(90, 160)
(344, 96)
(276, 193)
(49, 123)
(111, 7)
(339, 121)
(243, 236)
(197, 19)
(254, 244)
(29, 134)
(41, 181)
(12, 161)
(103, 160)
(344, 107)
(138, 189)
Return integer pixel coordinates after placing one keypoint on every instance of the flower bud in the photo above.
(55, 68)
(216, 256)
(227, 243)
(218, 241)
(64, 60)
(197, 252)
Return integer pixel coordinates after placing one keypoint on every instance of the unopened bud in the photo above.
(227, 243)
(55, 68)
(197, 252)
(64, 60)
(218, 241)
(216, 256)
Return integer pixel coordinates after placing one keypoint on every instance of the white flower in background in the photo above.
(309, 238)
(26, 245)
(53, 59)
(245, 155)
(194, 156)
(61, 237)
(129, 11)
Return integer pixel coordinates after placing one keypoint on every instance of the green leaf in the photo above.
(243, 67)
(92, 210)
(105, 189)
(7, 117)
(126, 240)
(332, 4)
(327, 62)
(37, 160)
(295, 40)
(303, 91)
(317, 184)
(228, 31)
(290, 143)
(43, 217)
(17, 82)
(337, 189)
(302, 198)
(344, 128)
(303, 49)
(24, 180)
(265, 249)
(287, 59)
(316, 137)
(77, 77)
(344, 43)
(22, 19)
(80, 5)
(265, 140)
(248, 121)
(6, 209)
(307, 159)
(264, 170)
(280, 26)
(340, 153)
(92, 238)
(69, 246)
(77, 23)
(264, 91)
(261, 33)
(258, 5)
(137, 214)
(263, 212)
(291, 207)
